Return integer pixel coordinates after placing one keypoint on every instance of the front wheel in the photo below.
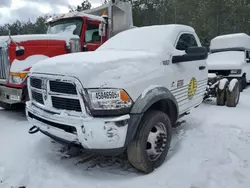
(152, 142)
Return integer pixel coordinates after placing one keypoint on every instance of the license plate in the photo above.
(106, 95)
(14, 98)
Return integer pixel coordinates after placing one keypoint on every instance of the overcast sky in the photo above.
(11, 10)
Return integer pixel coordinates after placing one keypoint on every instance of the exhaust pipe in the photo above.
(34, 130)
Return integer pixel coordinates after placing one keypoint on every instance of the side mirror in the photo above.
(192, 54)
(248, 60)
(102, 27)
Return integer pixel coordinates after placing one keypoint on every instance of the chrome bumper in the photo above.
(10, 95)
(90, 133)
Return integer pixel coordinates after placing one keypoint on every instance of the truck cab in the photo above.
(229, 57)
(124, 97)
(67, 33)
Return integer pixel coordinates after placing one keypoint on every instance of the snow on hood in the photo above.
(22, 38)
(226, 60)
(101, 68)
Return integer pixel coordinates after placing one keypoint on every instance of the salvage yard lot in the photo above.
(212, 150)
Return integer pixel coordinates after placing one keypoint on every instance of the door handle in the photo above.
(202, 67)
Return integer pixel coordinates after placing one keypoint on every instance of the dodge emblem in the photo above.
(44, 88)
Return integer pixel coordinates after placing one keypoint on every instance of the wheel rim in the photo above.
(156, 142)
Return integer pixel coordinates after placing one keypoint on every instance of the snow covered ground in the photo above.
(212, 150)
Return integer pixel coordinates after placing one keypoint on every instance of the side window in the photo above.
(248, 56)
(185, 41)
(92, 33)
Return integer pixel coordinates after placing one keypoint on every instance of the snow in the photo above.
(76, 14)
(206, 152)
(111, 68)
(212, 75)
(222, 83)
(226, 60)
(159, 38)
(232, 84)
(237, 40)
(21, 65)
(24, 38)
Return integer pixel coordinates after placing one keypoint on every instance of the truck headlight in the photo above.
(236, 71)
(17, 77)
(109, 99)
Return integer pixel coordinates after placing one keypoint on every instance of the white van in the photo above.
(229, 57)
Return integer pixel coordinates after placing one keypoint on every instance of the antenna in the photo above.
(13, 40)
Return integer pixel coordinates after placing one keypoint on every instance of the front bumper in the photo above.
(91, 133)
(11, 95)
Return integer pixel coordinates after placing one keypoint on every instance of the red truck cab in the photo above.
(67, 33)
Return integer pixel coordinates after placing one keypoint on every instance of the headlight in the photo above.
(17, 77)
(236, 71)
(109, 99)
(74, 45)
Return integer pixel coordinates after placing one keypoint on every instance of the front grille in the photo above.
(4, 63)
(220, 72)
(36, 83)
(59, 95)
(38, 97)
(66, 104)
(63, 87)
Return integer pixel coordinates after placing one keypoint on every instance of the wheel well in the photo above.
(167, 106)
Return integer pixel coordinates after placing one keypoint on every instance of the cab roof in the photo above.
(76, 15)
(153, 38)
(230, 41)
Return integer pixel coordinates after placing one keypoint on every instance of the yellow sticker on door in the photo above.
(192, 88)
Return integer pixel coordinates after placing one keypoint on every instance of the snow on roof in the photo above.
(150, 38)
(23, 38)
(237, 40)
(76, 14)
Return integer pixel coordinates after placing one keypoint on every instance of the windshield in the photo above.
(72, 26)
(146, 39)
(226, 57)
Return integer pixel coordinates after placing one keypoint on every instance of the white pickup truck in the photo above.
(124, 97)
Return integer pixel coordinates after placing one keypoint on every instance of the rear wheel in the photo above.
(243, 83)
(150, 147)
(233, 93)
(222, 92)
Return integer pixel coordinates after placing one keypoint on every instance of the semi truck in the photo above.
(66, 33)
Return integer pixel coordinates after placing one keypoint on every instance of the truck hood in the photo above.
(104, 68)
(226, 60)
(23, 38)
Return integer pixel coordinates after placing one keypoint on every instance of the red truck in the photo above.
(66, 33)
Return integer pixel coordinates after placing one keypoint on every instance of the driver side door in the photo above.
(191, 75)
(92, 39)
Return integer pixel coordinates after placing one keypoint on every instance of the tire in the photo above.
(243, 83)
(221, 95)
(234, 95)
(137, 150)
(9, 107)
(6, 106)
